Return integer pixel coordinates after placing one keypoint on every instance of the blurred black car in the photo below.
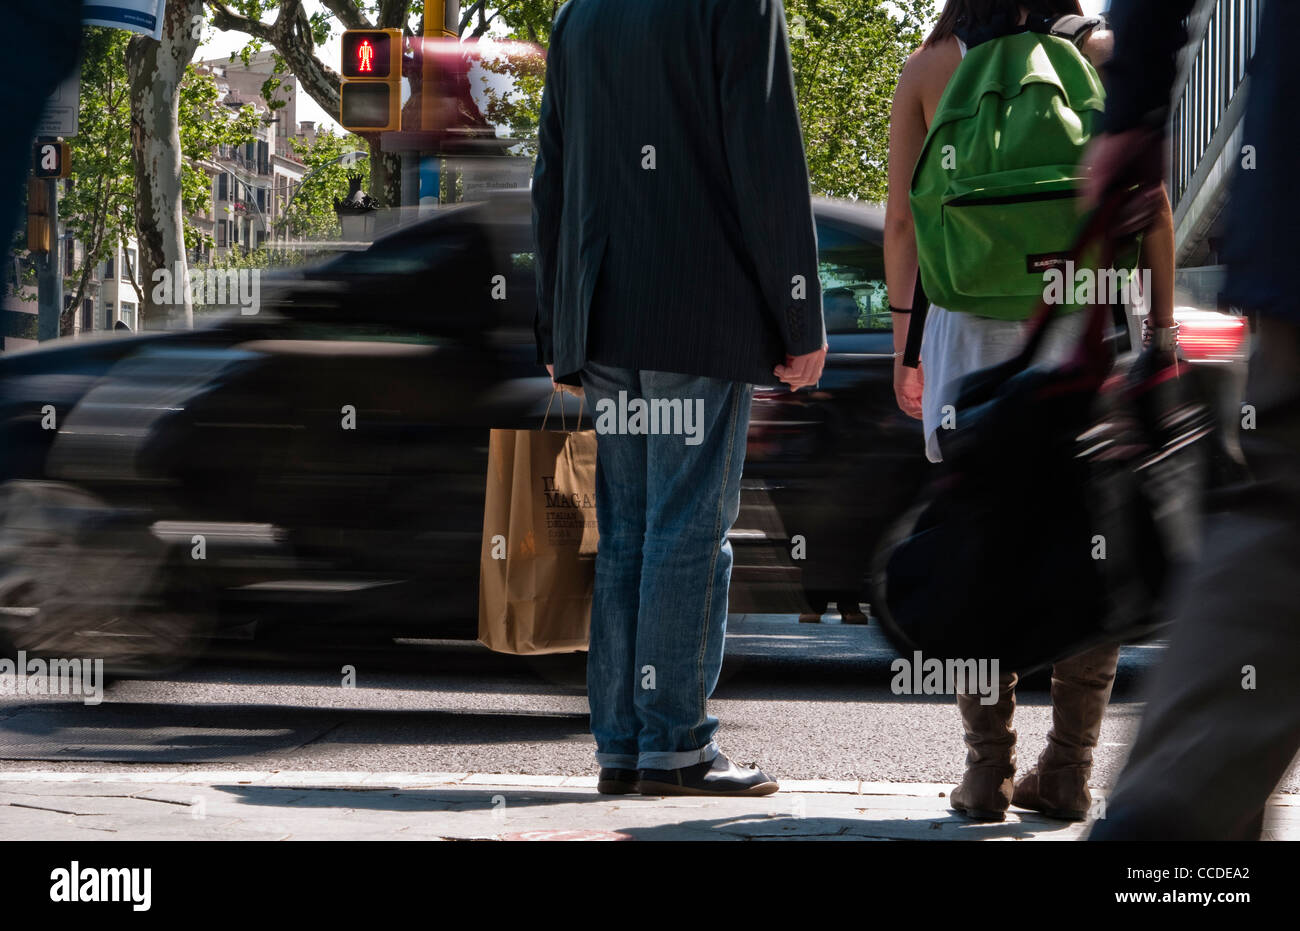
(322, 461)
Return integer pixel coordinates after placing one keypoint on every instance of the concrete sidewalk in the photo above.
(295, 805)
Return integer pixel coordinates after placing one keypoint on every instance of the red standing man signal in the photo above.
(370, 95)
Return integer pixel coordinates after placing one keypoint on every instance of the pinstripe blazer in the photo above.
(671, 207)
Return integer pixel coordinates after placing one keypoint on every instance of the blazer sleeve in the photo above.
(764, 149)
(548, 197)
(1149, 34)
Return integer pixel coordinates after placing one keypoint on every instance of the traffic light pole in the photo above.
(49, 277)
(441, 20)
(410, 179)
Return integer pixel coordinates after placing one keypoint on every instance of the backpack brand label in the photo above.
(1041, 262)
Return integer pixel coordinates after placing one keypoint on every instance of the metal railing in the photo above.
(1214, 71)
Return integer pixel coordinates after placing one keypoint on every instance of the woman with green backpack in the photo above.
(989, 125)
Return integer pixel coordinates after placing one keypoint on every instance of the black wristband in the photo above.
(899, 310)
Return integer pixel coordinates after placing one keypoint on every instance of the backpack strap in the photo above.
(1073, 27)
(916, 325)
(996, 27)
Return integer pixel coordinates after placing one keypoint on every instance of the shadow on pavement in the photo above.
(140, 732)
(389, 798)
(766, 827)
(742, 825)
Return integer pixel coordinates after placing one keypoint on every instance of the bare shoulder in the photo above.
(927, 72)
(933, 64)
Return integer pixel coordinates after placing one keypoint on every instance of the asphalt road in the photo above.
(804, 701)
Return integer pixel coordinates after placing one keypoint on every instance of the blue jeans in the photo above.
(664, 504)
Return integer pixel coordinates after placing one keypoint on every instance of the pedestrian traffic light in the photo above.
(370, 97)
(52, 160)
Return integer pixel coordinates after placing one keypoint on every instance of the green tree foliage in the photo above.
(510, 86)
(98, 201)
(206, 123)
(238, 258)
(846, 56)
(311, 214)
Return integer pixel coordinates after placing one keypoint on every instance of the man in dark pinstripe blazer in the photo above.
(677, 266)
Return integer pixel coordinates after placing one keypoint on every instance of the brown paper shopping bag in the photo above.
(538, 559)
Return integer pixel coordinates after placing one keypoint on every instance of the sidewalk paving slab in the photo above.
(296, 805)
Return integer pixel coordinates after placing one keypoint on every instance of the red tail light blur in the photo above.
(1206, 334)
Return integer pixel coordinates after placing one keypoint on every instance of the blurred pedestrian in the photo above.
(957, 343)
(1222, 720)
(677, 266)
(831, 571)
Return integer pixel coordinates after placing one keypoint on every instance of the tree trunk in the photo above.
(67, 319)
(155, 70)
(385, 174)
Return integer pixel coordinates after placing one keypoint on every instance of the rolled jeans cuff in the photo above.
(678, 759)
(617, 760)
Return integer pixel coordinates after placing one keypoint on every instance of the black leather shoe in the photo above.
(719, 776)
(616, 781)
(853, 616)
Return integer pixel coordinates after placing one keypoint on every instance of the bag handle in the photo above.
(916, 325)
(582, 400)
(1092, 345)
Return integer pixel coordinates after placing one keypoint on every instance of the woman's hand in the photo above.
(908, 385)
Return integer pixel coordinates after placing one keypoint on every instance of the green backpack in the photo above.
(995, 191)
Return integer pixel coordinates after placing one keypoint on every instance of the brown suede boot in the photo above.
(985, 790)
(1058, 785)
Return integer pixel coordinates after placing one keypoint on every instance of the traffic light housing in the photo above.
(40, 231)
(51, 160)
(370, 97)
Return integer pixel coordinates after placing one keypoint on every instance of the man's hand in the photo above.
(802, 371)
(908, 385)
(556, 386)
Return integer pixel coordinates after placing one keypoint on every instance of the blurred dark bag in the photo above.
(1068, 497)
(538, 559)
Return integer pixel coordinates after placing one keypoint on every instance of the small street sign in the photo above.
(142, 16)
(60, 117)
